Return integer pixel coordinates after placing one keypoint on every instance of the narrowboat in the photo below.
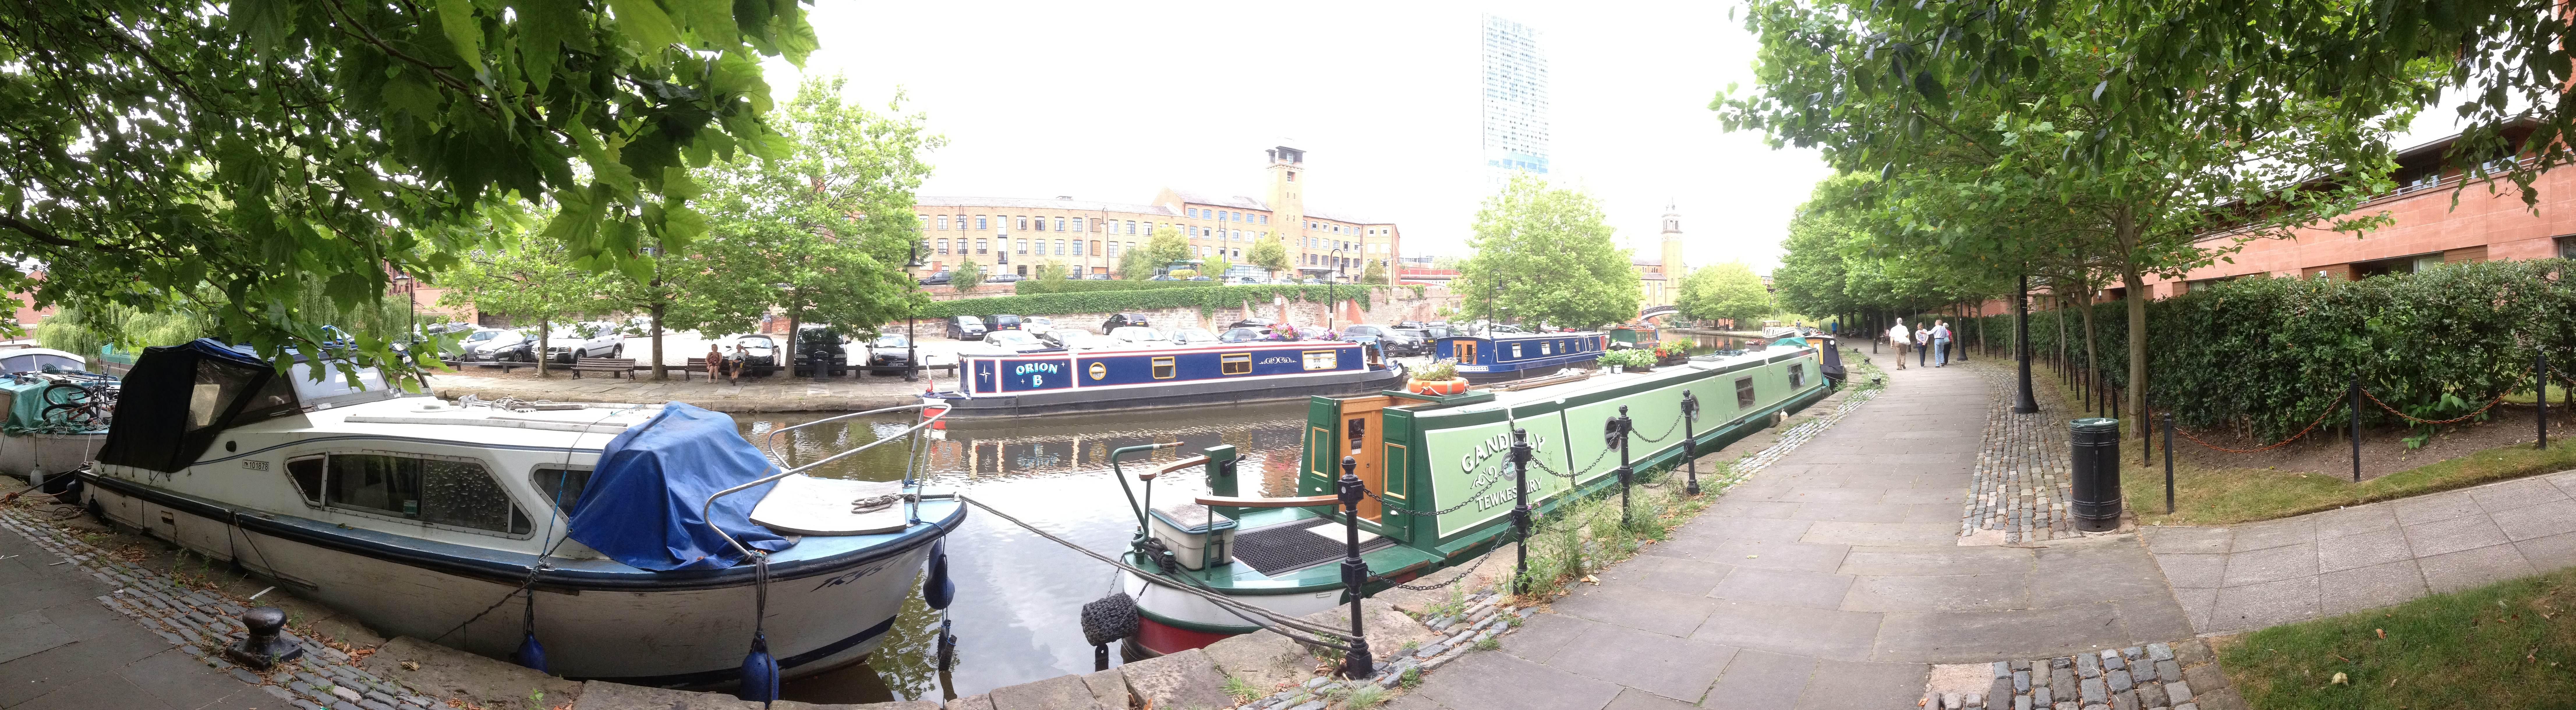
(1502, 357)
(1065, 382)
(1634, 335)
(1437, 472)
(608, 530)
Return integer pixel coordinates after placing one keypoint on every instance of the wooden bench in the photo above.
(696, 365)
(614, 366)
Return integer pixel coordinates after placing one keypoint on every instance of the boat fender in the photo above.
(531, 655)
(937, 588)
(759, 673)
(1108, 619)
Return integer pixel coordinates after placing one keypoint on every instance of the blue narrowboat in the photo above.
(1070, 381)
(1501, 357)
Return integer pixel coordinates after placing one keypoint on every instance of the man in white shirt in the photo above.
(1902, 338)
(1941, 343)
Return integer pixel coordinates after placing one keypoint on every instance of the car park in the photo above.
(585, 339)
(965, 328)
(1408, 341)
(498, 345)
(1122, 320)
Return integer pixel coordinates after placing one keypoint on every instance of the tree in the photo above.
(265, 148)
(1052, 270)
(1375, 273)
(1215, 265)
(1159, 251)
(968, 275)
(1730, 290)
(823, 232)
(528, 274)
(1546, 254)
(1271, 254)
(2012, 173)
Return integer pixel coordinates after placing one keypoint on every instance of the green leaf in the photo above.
(409, 95)
(265, 23)
(646, 23)
(456, 18)
(546, 28)
(711, 21)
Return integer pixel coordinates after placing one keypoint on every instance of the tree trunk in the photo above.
(545, 334)
(660, 371)
(2057, 293)
(787, 359)
(2092, 347)
(2137, 346)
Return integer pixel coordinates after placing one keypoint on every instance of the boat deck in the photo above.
(1605, 379)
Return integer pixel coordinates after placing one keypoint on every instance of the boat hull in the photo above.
(1175, 396)
(55, 453)
(819, 617)
(1175, 621)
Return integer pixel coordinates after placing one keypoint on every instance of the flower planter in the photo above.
(1437, 388)
(1672, 359)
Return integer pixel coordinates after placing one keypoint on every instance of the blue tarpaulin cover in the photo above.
(643, 501)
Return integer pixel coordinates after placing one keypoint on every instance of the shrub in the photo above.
(1439, 370)
(1034, 287)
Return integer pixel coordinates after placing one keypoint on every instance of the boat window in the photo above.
(1743, 393)
(1543, 349)
(307, 474)
(437, 491)
(1797, 374)
(571, 480)
(1165, 368)
(1516, 349)
(1466, 351)
(1323, 359)
(1238, 363)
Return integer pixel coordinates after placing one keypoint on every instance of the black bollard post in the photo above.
(2356, 428)
(2169, 486)
(1690, 441)
(1521, 508)
(2540, 396)
(1618, 436)
(264, 646)
(1356, 664)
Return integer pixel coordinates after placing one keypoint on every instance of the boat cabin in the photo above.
(1145, 368)
(1497, 357)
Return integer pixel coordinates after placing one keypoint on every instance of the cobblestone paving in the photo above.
(2178, 676)
(2021, 486)
(203, 622)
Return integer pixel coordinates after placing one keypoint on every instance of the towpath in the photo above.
(61, 648)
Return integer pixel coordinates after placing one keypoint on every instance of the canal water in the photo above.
(1019, 596)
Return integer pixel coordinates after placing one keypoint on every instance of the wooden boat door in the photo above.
(1363, 436)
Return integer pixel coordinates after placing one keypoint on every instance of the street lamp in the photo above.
(911, 360)
(1330, 304)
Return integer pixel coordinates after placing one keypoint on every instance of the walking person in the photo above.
(1900, 338)
(1941, 342)
(1923, 347)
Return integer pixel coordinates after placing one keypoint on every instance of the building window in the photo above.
(1265, 219)
(1095, 247)
(1113, 249)
(1024, 247)
(1131, 247)
(1131, 226)
(1077, 247)
(2567, 247)
(1024, 224)
(1077, 225)
(979, 247)
(1292, 176)
(943, 223)
(1193, 212)
(943, 247)
(980, 224)
(1059, 247)
(1059, 224)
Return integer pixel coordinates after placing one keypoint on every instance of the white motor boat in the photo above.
(419, 517)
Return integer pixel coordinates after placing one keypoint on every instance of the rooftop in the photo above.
(1043, 204)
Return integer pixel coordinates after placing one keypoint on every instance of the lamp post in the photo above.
(911, 360)
(1331, 305)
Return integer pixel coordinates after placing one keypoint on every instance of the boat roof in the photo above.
(582, 426)
(1601, 380)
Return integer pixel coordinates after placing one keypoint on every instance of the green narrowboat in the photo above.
(1438, 472)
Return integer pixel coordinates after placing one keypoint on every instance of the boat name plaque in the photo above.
(254, 465)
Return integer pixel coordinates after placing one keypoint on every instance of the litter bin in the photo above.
(2095, 455)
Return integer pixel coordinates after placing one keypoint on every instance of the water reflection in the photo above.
(1019, 595)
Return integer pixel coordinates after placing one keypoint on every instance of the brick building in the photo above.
(1017, 235)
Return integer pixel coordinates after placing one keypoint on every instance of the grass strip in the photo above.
(2505, 646)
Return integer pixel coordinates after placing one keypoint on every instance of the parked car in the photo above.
(1095, 277)
(1314, 333)
(587, 339)
(965, 328)
(1139, 336)
(1122, 320)
(938, 279)
(889, 351)
(1247, 279)
(1037, 325)
(1015, 341)
(1401, 342)
(1004, 278)
(1410, 324)
(816, 341)
(498, 344)
(1244, 335)
(1193, 336)
(1003, 321)
(1162, 277)
(1198, 278)
(1254, 323)
(1314, 282)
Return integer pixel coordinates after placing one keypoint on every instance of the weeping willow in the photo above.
(88, 330)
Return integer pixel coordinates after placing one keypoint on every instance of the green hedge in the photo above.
(2268, 355)
(1205, 298)
(1037, 286)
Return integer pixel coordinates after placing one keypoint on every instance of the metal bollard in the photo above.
(1357, 664)
(1690, 440)
(1521, 510)
(264, 646)
(2095, 444)
(1618, 436)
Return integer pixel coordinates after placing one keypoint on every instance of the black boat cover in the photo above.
(178, 398)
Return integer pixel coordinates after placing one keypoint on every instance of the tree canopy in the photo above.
(1546, 254)
(261, 149)
(1730, 290)
(1270, 253)
(1165, 246)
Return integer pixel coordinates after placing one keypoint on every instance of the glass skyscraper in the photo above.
(1515, 100)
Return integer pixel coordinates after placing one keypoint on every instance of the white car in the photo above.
(1037, 325)
(1015, 341)
(588, 339)
(1137, 336)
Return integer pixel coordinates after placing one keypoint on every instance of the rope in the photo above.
(1222, 601)
(2321, 418)
(2374, 399)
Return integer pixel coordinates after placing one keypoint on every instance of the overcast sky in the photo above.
(1116, 101)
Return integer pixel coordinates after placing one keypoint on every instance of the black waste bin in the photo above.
(2095, 453)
